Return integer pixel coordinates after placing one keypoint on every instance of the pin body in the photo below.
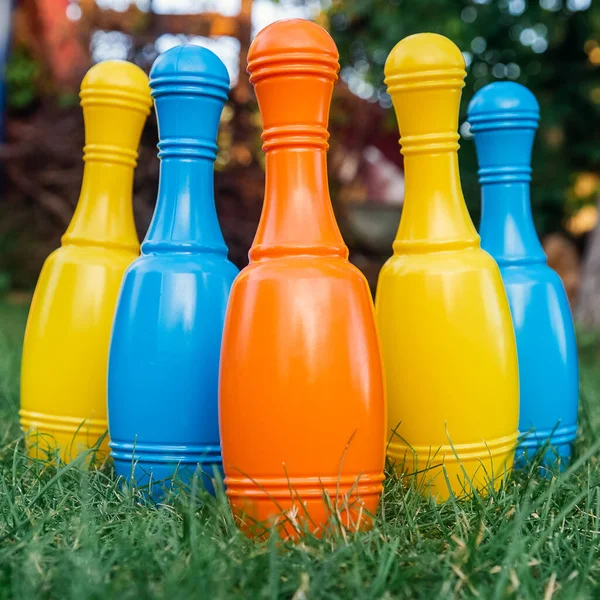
(504, 117)
(164, 355)
(301, 387)
(65, 353)
(444, 320)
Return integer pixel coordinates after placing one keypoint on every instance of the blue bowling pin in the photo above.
(166, 339)
(504, 117)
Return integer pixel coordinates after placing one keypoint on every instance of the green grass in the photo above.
(72, 532)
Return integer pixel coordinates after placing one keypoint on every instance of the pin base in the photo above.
(557, 454)
(49, 435)
(460, 470)
(295, 506)
(160, 468)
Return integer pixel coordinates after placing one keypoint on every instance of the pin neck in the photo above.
(185, 218)
(504, 141)
(507, 229)
(297, 217)
(426, 99)
(188, 109)
(104, 216)
(294, 91)
(434, 215)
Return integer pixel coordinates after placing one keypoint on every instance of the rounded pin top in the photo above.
(503, 105)
(189, 68)
(116, 83)
(293, 45)
(424, 60)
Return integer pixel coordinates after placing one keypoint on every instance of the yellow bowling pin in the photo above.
(446, 331)
(65, 353)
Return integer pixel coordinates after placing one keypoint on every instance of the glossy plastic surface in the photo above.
(63, 378)
(301, 388)
(444, 319)
(504, 117)
(166, 342)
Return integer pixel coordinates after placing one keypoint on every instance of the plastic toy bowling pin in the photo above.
(447, 337)
(166, 342)
(65, 353)
(301, 389)
(504, 117)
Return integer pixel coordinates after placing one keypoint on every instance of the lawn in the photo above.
(73, 532)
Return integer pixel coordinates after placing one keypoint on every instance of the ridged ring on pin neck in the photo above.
(293, 63)
(179, 147)
(504, 120)
(439, 78)
(429, 143)
(190, 85)
(110, 154)
(504, 174)
(295, 136)
(92, 96)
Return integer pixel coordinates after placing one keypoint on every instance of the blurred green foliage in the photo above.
(551, 46)
(21, 75)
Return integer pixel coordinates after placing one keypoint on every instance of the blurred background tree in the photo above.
(552, 46)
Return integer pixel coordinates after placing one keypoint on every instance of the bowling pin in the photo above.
(301, 388)
(504, 117)
(447, 337)
(65, 353)
(166, 341)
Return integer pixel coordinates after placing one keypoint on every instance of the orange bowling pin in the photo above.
(302, 409)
